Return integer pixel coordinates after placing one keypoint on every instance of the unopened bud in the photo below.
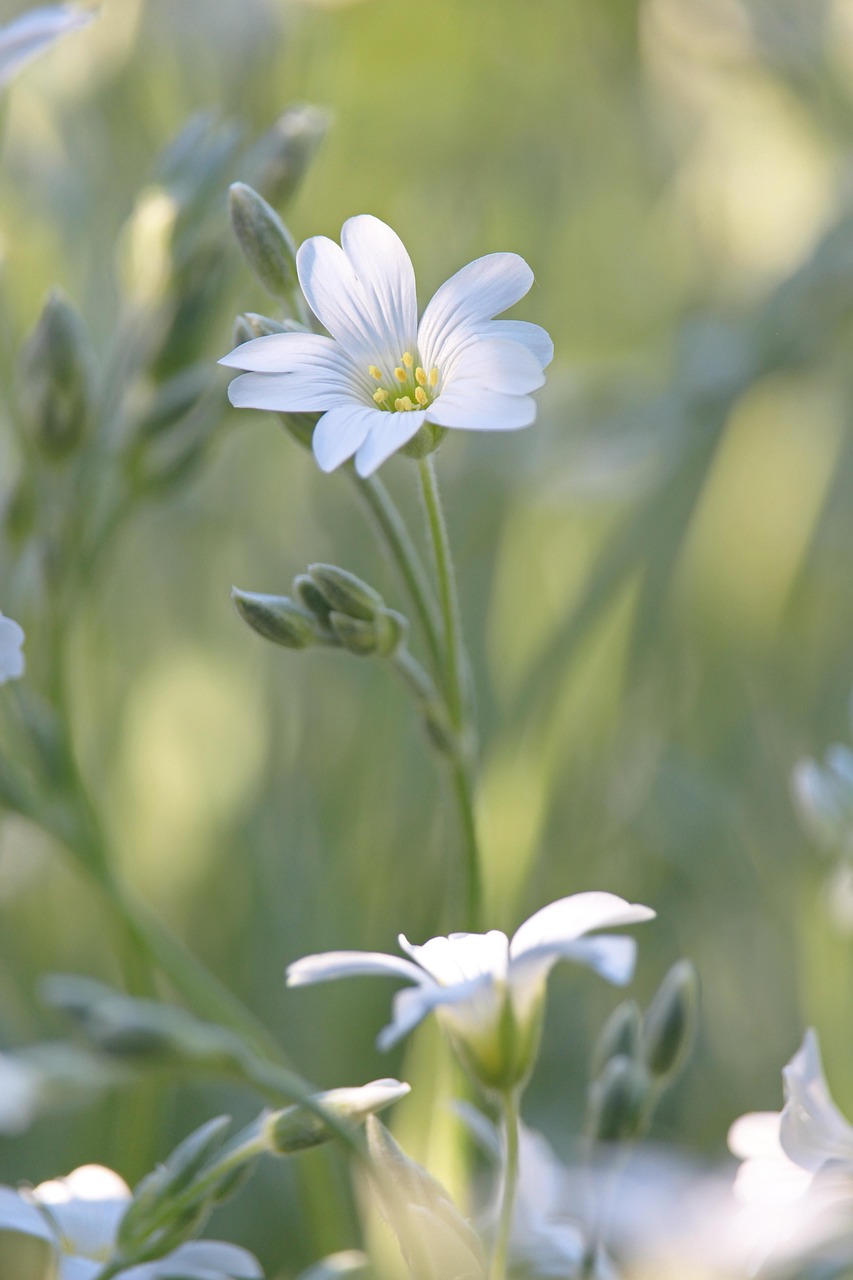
(345, 592)
(266, 243)
(392, 630)
(300, 426)
(618, 1101)
(354, 635)
(620, 1035)
(283, 156)
(426, 440)
(173, 401)
(56, 378)
(670, 1024)
(297, 1128)
(310, 595)
(276, 618)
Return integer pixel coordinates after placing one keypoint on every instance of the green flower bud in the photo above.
(266, 243)
(392, 630)
(354, 635)
(283, 156)
(620, 1035)
(619, 1101)
(56, 379)
(345, 592)
(669, 1026)
(296, 1128)
(20, 513)
(173, 401)
(276, 618)
(309, 594)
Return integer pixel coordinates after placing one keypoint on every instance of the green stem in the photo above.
(509, 1107)
(405, 556)
(455, 668)
(454, 663)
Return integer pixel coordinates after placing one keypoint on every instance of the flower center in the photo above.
(411, 388)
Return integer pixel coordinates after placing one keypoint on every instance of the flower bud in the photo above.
(309, 594)
(354, 635)
(620, 1035)
(296, 1128)
(300, 426)
(619, 1101)
(426, 440)
(670, 1024)
(276, 618)
(56, 378)
(283, 156)
(345, 592)
(392, 630)
(352, 1262)
(266, 243)
(173, 401)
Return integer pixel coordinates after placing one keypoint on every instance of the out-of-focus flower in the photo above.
(19, 1094)
(381, 376)
(79, 1216)
(11, 658)
(33, 32)
(489, 991)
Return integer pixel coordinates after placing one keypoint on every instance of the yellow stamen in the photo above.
(420, 376)
(407, 359)
(380, 396)
(433, 377)
(404, 404)
(421, 396)
(401, 375)
(375, 373)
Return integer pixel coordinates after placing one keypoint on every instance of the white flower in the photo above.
(488, 990)
(797, 1163)
(381, 375)
(11, 657)
(28, 35)
(79, 1216)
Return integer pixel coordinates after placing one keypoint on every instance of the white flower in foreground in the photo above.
(797, 1162)
(489, 991)
(11, 657)
(381, 375)
(28, 35)
(79, 1216)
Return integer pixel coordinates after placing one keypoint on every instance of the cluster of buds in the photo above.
(329, 606)
(637, 1056)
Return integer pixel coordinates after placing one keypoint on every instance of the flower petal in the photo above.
(475, 294)
(17, 1214)
(289, 392)
(340, 432)
(350, 964)
(11, 657)
(387, 278)
(84, 1269)
(470, 408)
(335, 295)
(812, 1130)
(611, 956)
(533, 336)
(412, 1005)
(462, 956)
(493, 364)
(33, 32)
(386, 437)
(570, 918)
(284, 353)
(203, 1258)
(86, 1207)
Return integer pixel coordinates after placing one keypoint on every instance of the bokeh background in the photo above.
(655, 577)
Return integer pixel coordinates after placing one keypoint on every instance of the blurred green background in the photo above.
(655, 577)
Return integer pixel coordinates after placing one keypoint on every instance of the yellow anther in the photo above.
(421, 396)
(404, 404)
(420, 376)
(407, 359)
(433, 376)
(375, 373)
(380, 396)
(401, 375)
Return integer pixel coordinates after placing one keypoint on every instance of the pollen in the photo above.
(380, 396)
(404, 404)
(420, 377)
(400, 374)
(421, 396)
(433, 376)
(375, 373)
(407, 359)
